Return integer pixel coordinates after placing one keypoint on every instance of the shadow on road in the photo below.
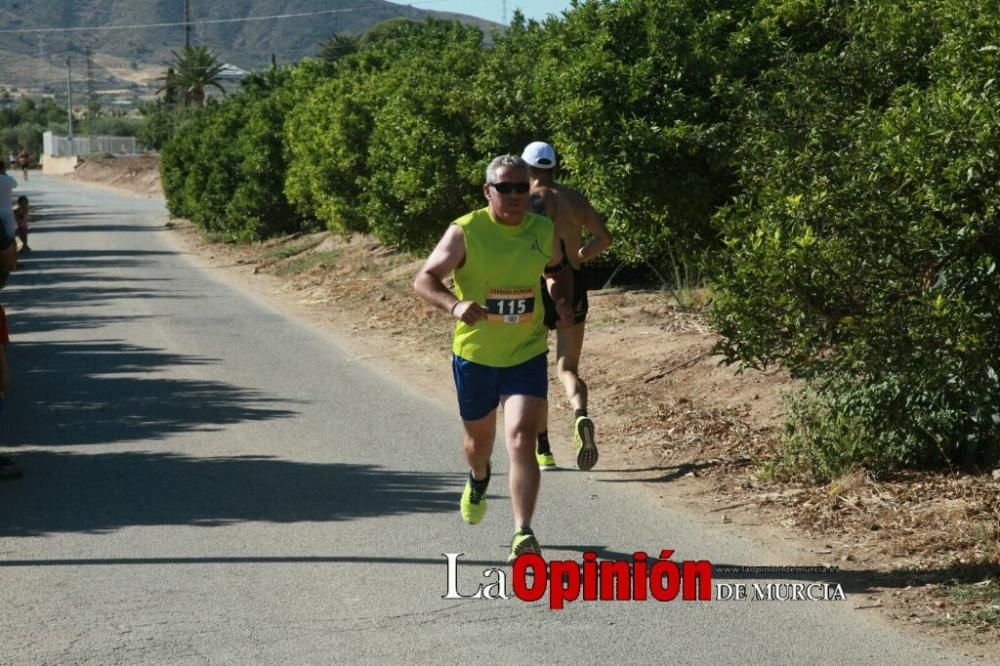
(70, 492)
(70, 396)
(105, 391)
(675, 472)
(43, 259)
(859, 581)
(258, 559)
(60, 323)
(94, 228)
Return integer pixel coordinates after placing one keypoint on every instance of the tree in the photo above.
(861, 252)
(194, 69)
(337, 47)
(389, 29)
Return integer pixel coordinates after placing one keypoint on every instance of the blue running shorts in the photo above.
(479, 387)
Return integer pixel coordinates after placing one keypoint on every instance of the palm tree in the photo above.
(193, 70)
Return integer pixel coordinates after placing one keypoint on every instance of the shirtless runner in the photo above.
(572, 214)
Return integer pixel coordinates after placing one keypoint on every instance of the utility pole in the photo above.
(503, 12)
(69, 105)
(92, 105)
(43, 62)
(187, 24)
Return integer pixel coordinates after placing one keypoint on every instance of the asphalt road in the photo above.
(210, 481)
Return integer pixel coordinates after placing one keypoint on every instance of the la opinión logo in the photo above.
(638, 579)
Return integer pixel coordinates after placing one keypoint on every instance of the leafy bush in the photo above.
(327, 134)
(512, 92)
(420, 156)
(161, 122)
(385, 145)
(23, 122)
(636, 112)
(822, 444)
(833, 164)
(232, 157)
(862, 252)
(176, 157)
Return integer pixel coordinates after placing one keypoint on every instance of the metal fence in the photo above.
(61, 146)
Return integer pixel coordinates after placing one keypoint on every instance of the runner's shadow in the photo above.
(602, 552)
(858, 581)
(678, 471)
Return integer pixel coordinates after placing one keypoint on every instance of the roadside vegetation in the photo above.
(23, 121)
(827, 169)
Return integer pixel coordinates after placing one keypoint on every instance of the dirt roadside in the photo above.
(924, 549)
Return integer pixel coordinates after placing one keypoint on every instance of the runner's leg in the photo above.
(477, 444)
(522, 414)
(569, 345)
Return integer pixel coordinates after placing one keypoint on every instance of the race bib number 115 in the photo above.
(511, 306)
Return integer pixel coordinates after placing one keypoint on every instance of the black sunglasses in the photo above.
(507, 187)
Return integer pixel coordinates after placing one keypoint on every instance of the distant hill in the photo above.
(126, 62)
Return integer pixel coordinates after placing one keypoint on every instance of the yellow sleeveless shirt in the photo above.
(501, 273)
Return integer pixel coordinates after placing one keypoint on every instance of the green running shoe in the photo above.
(473, 504)
(586, 449)
(524, 542)
(546, 461)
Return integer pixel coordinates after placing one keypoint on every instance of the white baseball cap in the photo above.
(539, 155)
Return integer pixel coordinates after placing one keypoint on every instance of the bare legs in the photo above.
(569, 345)
(522, 415)
(477, 444)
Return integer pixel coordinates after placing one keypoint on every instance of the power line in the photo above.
(241, 19)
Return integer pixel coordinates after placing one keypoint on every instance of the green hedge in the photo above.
(862, 250)
(225, 170)
(831, 164)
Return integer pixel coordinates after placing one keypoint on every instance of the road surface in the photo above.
(210, 481)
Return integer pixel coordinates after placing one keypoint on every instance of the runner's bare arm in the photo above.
(560, 283)
(551, 203)
(448, 255)
(600, 238)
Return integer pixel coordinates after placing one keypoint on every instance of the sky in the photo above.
(492, 10)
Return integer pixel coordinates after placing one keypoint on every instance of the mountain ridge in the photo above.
(131, 40)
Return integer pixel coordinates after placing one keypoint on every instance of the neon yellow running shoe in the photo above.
(473, 504)
(586, 449)
(546, 461)
(524, 542)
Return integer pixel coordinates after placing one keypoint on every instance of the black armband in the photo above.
(552, 270)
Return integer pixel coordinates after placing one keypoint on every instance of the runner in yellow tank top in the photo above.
(501, 270)
(497, 256)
